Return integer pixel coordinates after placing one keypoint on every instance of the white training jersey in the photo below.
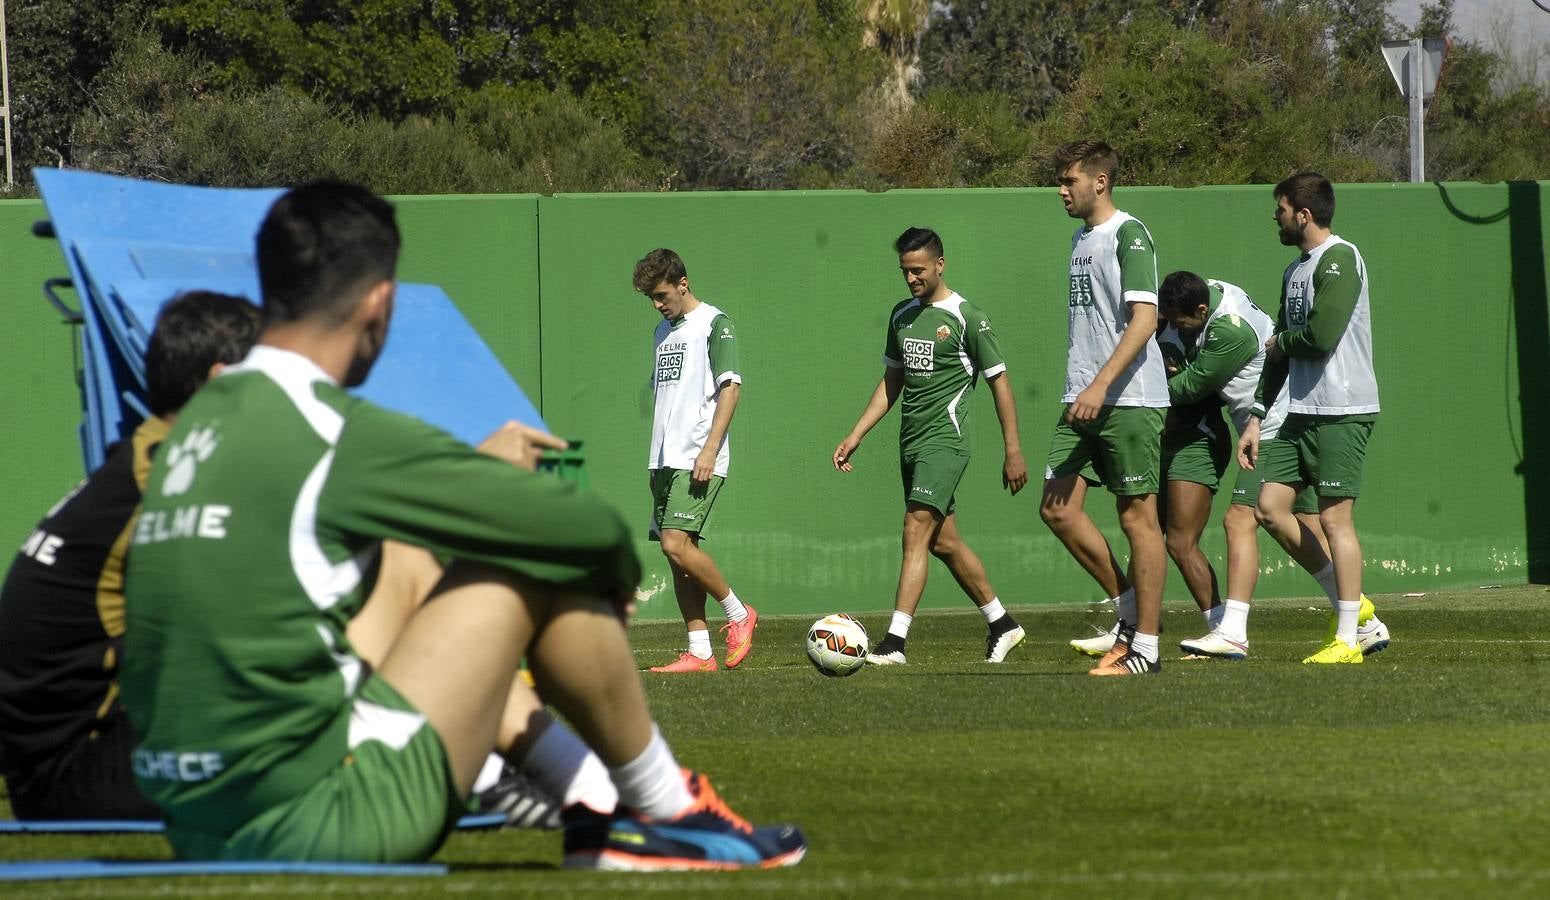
(695, 354)
(1112, 265)
(1341, 382)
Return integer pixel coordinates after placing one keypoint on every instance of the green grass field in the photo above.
(1424, 772)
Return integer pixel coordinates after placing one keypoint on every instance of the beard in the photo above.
(1292, 236)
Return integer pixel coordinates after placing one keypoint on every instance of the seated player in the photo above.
(1224, 333)
(265, 735)
(65, 738)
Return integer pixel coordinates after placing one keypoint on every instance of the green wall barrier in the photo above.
(1461, 340)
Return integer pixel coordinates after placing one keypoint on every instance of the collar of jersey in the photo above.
(273, 360)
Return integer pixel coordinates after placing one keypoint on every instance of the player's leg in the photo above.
(1069, 471)
(1372, 634)
(1130, 452)
(1333, 451)
(1189, 506)
(681, 525)
(961, 560)
(921, 523)
(1229, 639)
(405, 577)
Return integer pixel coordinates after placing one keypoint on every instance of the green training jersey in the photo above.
(258, 540)
(943, 348)
(1225, 357)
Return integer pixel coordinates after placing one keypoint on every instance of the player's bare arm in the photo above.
(1014, 472)
(1248, 444)
(882, 400)
(726, 404)
(520, 445)
(1139, 330)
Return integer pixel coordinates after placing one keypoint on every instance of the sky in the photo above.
(1475, 18)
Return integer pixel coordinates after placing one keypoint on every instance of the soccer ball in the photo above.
(837, 645)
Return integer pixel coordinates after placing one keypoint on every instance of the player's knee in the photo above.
(1057, 516)
(1180, 543)
(676, 545)
(944, 549)
(1265, 517)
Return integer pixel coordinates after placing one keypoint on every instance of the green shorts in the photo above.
(1245, 492)
(1123, 445)
(391, 799)
(1196, 456)
(931, 478)
(680, 504)
(1322, 452)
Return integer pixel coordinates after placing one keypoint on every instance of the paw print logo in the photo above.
(183, 459)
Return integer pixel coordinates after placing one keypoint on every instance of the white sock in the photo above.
(1125, 606)
(1146, 645)
(899, 626)
(1235, 620)
(491, 773)
(651, 783)
(1213, 616)
(734, 608)
(568, 769)
(699, 643)
(1326, 579)
(992, 610)
(1345, 627)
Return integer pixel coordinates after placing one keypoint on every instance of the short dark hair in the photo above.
(919, 239)
(194, 331)
(320, 247)
(658, 266)
(1310, 191)
(1094, 156)
(1182, 293)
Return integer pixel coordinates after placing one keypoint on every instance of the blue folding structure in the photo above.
(132, 245)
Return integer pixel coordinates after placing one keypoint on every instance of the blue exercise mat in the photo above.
(64, 869)
(136, 826)
(132, 245)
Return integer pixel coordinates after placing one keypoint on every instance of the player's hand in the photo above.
(704, 466)
(1248, 444)
(1087, 404)
(1273, 351)
(520, 444)
(1014, 472)
(845, 451)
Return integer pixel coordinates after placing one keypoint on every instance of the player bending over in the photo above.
(937, 346)
(264, 734)
(696, 385)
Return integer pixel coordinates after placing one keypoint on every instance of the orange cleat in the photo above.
(688, 662)
(740, 637)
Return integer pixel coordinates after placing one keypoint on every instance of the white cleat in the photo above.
(1372, 636)
(1216, 645)
(998, 646)
(1094, 646)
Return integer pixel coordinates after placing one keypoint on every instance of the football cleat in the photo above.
(740, 637)
(1094, 646)
(1120, 648)
(1372, 636)
(708, 836)
(1216, 644)
(523, 803)
(1336, 651)
(888, 652)
(1129, 663)
(1365, 614)
(997, 646)
(688, 662)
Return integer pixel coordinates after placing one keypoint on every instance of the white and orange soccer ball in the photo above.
(837, 645)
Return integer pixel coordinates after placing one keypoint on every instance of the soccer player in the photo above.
(937, 346)
(264, 733)
(696, 385)
(64, 734)
(1117, 396)
(1322, 351)
(1225, 333)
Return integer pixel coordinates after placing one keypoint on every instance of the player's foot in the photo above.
(999, 644)
(1094, 646)
(1372, 636)
(1120, 648)
(688, 662)
(888, 652)
(708, 836)
(523, 803)
(1128, 663)
(740, 637)
(1336, 651)
(1364, 614)
(1216, 644)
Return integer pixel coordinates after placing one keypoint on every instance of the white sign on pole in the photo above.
(1398, 56)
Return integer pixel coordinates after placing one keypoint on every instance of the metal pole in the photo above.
(1417, 114)
(5, 102)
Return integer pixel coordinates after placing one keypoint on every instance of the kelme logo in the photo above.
(183, 460)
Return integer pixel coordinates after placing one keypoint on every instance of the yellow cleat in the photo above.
(1364, 615)
(1337, 651)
